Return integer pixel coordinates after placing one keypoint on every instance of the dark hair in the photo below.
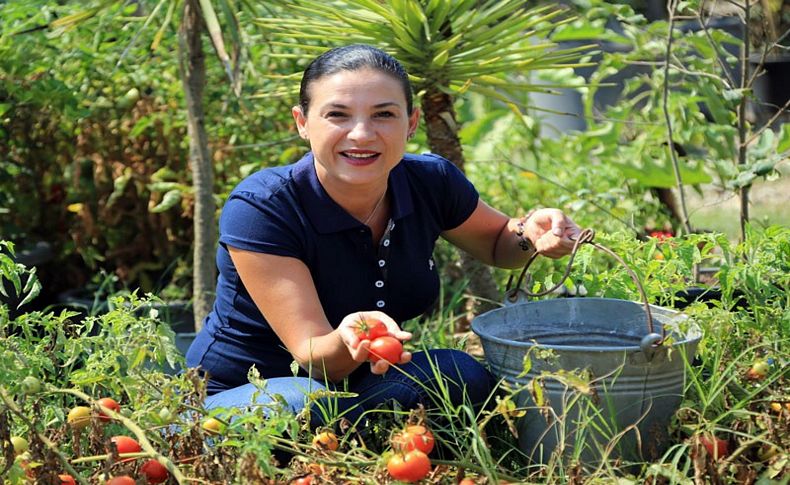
(351, 58)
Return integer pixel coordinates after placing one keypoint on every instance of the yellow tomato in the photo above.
(212, 425)
(325, 441)
(79, 417)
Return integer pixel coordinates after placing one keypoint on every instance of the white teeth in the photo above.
(359, 155)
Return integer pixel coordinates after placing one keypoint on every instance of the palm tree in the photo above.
(449, 47)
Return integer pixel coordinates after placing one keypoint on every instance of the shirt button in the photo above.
(379, 284)
(382, 263)
(380, 303)
(386, 242)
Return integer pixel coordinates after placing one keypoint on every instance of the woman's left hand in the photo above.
(551, 232)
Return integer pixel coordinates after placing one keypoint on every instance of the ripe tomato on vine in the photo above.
(414, 437)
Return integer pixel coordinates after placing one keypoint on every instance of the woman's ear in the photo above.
(301, 121)
(414, 121)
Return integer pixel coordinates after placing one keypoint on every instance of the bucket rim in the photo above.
(691, 335)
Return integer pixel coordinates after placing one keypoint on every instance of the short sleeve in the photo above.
(264, 225)
(459, 197)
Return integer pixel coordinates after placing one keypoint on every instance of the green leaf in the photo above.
(169, 200)
(783, 144)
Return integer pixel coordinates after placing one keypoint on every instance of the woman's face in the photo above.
(357, 126)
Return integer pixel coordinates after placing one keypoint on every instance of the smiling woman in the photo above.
(343, 239)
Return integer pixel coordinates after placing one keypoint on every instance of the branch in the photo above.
(665, 106)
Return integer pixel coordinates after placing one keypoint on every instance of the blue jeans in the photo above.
(430, 378)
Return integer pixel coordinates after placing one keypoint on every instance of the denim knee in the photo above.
(430, 378)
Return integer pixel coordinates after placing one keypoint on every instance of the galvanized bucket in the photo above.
(596, 380)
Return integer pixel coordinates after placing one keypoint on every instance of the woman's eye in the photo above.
(335, 114)
(385, 114)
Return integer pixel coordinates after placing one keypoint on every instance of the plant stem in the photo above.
(668, 119)
(744, 191)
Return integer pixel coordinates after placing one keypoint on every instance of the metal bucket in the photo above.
(634, 387)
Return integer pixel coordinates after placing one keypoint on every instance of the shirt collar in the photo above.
(326, 215)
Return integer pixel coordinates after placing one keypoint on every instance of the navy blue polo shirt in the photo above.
(285, 211)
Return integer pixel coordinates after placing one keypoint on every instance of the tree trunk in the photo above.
(443, 140)
(439, 114)
(193, 76)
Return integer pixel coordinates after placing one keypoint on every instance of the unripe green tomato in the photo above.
(20, 445)
(31, 385)
(165, 415)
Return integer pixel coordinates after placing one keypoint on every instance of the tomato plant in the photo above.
(109, 403)
(386, 348)
(325, 440)
(154, 471)
(370, 328)
(410, 466)
(414, 437)
(79, 417)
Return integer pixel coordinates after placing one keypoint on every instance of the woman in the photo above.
(309, 250)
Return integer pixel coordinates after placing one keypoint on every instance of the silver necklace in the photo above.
(375, 208)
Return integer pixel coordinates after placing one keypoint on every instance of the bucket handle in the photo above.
(648, 343)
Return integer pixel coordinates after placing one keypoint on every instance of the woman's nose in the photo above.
(362, 130)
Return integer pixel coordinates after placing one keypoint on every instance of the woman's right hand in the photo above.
(360, 349)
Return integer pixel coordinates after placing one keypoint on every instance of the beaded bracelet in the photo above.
(523, 241)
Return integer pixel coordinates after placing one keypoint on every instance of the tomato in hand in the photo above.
(386, 348)
(409, 467)
(125, 444)
(108, 403)
(414, 437)
(154, 471)
(325, 441)
(369, 328)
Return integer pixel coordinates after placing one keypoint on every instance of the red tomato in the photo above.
(110, 403)
(467, 481)
(67, 479)
(414, 437)
(717, 448)
(121, 480)
(306, 480)
(125, 444)
(409, 467)
(154, 471)
(387, 348)
(370, 328)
